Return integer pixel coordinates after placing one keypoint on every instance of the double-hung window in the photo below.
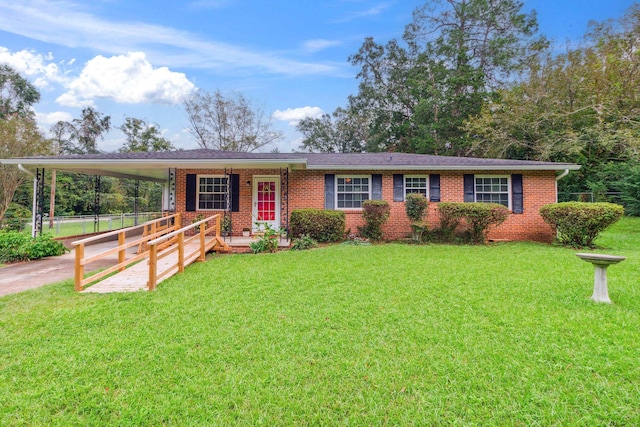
(492, 189)
(212, 192)
(351, 191)
(416, 184)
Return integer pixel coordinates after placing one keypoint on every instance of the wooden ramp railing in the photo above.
(150, 230)
(198, 252)
(161, 239)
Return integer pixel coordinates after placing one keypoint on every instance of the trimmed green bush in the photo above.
(375, 213)
(479, 216)
(321, 225)
(16, 246)
(415, 206)
(578, 224)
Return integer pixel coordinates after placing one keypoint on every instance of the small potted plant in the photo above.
(225, 226)
(246, 232)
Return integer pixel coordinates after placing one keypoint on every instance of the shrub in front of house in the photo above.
(578, 224)
(478, 216)
(415, 206)
(323, 226)
(20, 247)
(268, 241)
(303, 242)
(375, 213)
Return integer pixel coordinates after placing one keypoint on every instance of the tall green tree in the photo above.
(455, 54)
(341, 132)
(143, 136)
(17, 94)
(81, 135)
(19, 137)
(581, 106)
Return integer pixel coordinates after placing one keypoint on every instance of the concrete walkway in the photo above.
(33, 274)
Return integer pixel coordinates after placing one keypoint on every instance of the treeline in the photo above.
(475, 78)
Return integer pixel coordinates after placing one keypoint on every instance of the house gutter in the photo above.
(33, 206)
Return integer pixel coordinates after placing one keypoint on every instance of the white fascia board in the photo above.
(558, 167)
(153, 162)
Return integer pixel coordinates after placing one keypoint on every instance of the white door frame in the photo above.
(254, 211)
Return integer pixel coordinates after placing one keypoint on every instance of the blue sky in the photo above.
(142, 58)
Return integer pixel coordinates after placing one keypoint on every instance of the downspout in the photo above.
(558, 178)
(35, 190)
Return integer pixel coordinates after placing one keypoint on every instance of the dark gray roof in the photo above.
(319, 160)
(155, 166)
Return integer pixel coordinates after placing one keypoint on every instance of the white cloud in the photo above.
(66, 23)
(319, 44)
(35, 66)
(129, 79)
(50, 119)
(71, 100)
(372, 11)
(294, 115)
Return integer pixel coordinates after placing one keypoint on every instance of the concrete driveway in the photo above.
(33, 274)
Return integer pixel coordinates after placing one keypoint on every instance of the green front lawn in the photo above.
(342, 335)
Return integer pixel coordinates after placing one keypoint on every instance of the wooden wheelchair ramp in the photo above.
(163, 250)
(136, 277)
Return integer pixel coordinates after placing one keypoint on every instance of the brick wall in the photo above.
(306, 190)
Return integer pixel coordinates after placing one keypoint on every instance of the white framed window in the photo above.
(351, 191)
(212, 192)
(493, 189)
(416, 184)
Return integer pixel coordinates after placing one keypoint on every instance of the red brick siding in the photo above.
(306, 190)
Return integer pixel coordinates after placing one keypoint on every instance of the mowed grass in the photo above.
(342, 335)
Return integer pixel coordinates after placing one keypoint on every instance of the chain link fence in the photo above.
(60, 226)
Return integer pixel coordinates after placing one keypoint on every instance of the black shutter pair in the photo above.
(517, 202)
(330, 186)
(398, 187)
(192, 191)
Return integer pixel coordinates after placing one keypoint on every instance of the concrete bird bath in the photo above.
(600, 262)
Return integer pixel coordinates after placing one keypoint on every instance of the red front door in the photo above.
(266, 202)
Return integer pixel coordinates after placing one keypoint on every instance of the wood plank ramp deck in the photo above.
(136, 277)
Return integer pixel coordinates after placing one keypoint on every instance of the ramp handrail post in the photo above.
(79, 267)
(181, 252)
(121, 252)
(153, 265)
(203, 232)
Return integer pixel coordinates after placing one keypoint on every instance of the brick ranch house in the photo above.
(267, 187)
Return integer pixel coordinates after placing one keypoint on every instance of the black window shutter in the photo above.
(469, 188)
(190, 192)
(517, 204)
(329, 191)
(434, 188)
(376, 186)
(398, 187)
(235, 192)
